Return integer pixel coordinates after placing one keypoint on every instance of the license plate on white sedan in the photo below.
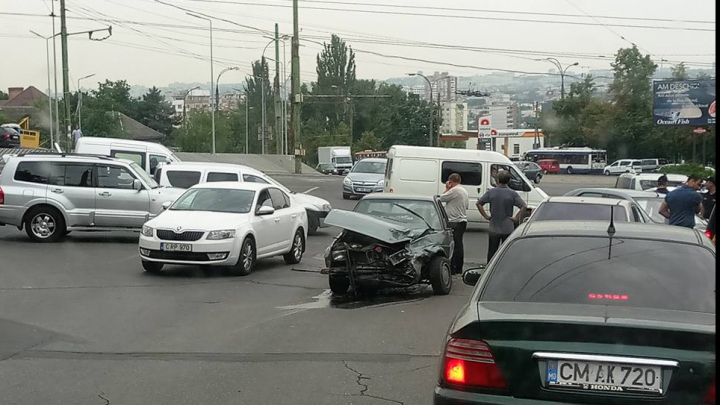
(604, 377)
(175, 247)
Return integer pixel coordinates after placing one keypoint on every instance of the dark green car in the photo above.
(586, 313)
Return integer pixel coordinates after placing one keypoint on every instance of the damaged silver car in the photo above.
(390, 241)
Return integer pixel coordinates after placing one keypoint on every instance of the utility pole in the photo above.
(276, 88)
(536, 144)
(65, 73)
(296, 95)
(55, 89)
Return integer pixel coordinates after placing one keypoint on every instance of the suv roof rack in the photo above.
(90, 155)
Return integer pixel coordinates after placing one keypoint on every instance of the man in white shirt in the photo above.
(456, 203)
(76, 134)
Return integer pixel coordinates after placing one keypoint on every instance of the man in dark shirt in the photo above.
(502, 200)
(682, 204)
(662, 185)
(708, 198)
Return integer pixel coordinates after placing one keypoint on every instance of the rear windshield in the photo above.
(557, 211)
(585, 270)
(183, 178)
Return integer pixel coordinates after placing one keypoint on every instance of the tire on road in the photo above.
(246, 261)
(346, 196)
(152, 267)
(440, 275)
(339, 285)
(294, 256)
(569, 170)
(538, 178)
(45, 224)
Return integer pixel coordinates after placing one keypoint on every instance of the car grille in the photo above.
(189, 236)
(360, 184)
(180, 256)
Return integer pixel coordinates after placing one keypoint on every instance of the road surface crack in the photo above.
(364, 387)
(107, 401)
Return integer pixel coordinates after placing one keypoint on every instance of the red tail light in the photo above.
(471, 363)
(710, 394)
(2, 196)
(708, 234)
(391, 190)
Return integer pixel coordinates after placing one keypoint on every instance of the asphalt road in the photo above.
(81, 323)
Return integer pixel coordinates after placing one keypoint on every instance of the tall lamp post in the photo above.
(50, 99)
(79, 107)
(262, 90)
(431, 105)
(217, 86)
(212, 77)
(562, 73)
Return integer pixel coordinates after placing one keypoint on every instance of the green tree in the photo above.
(154, 111)
(679, 72)
(3, 95)
(254, 88)
(196, 136)
(633, 102)
(368, 141)
(336, 73)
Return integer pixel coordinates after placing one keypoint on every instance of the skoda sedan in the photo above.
(225, 224)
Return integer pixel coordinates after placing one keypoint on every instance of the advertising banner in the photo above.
(684, 102)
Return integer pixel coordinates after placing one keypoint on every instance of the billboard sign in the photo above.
(684, 102)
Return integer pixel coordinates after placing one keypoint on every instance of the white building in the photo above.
(444, 87)
(417, 90)
(512, 143)
(454, 118)
(505, 116)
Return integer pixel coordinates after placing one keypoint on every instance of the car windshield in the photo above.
(144, 176)
(343, 159)
(370, 167)
(648, 184)
(586, 270)
(561, 211)
(397, 211)
(215, 200)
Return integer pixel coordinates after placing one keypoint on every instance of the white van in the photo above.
(188, 174)
(146, 154)
(417, 170)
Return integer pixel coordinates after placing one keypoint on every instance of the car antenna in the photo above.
(611, 229)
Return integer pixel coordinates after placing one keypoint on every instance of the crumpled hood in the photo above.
(198, 220)
(376, 228)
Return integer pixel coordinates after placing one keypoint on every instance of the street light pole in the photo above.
(185, 103)
(262, 89)
(212, 77)
(432, 113)
(80, 101)
(217, 86)
(562, 73)
(50, 104)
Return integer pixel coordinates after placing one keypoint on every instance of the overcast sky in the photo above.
(157, 44)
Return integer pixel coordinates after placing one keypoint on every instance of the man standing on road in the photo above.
(708, 199)
(662, 185)
(682, 204)
(456, 202)
(76, 134)
(502, 199)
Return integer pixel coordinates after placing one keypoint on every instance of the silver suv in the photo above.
(51, 195)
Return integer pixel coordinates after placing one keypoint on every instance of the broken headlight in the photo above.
(338, 255)
(398, 257)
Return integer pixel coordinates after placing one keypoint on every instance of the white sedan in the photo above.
(225, 224)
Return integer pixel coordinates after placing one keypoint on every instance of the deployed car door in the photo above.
(118, 204)
(268, 229)
(284, 218)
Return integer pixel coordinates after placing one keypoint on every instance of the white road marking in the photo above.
(311, 190)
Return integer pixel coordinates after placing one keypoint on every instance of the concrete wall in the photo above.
(270, 164)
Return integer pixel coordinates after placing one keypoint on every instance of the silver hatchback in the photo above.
(51, 195)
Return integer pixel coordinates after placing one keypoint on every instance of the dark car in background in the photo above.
(531, 170)
(9, 138)
(586, 313)
(326, 168)
(390, 241)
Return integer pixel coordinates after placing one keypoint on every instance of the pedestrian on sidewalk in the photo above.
(502, 200)
(455, 198)
(682, 204)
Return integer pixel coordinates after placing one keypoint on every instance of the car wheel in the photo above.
(313, 223)
(45, 225)
(606, 172)
(538, 178)
(440, 275)
(339, 285)
(152, 267)
(346, 196)
(246, 261)
(296, 251)
(570, 170)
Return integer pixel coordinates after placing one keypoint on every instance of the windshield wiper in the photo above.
(414, 213)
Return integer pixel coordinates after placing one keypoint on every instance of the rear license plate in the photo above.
(604, 377)
(175, 247)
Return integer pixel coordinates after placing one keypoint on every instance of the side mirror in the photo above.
(166, 205)
(137, 185)
(265, 210)
(472, 276)
(526, 187)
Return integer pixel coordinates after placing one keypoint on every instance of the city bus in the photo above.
(572, 160)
